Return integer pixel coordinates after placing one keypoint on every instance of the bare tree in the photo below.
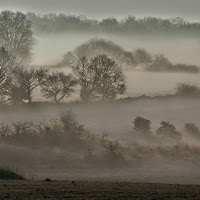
(109, 76)
(16, 34)
(58, 86)
(86, 80)
(29, 79)
(7, 64)
(7, 61)
(100, 79)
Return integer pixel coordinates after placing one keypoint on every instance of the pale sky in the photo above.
(188, 9)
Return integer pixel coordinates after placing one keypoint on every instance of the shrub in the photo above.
(7, 174)
(186, 68)
(192, 129)
(161, 63)
(142, 125)
(142, 56)
(48, 180)
(168, 130)
(114, 149)
(184, 89)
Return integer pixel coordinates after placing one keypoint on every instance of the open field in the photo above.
(32, 190)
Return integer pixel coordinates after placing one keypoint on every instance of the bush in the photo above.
(143, 57)
(186, 68)
(48, 180)
(192, 129)
(161, 63)
(184, 89)
(142, 125)
(7, 174)
(168, 130)
(113, 148)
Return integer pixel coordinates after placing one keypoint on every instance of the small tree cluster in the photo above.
(100, 79)
(17, 83)
(168, 130)
(143, 127)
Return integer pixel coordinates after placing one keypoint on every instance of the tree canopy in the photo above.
(16, 35)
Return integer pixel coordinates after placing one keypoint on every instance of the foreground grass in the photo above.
(95, 190)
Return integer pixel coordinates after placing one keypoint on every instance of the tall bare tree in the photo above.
(7, 64)
(86, 80)
(16, 34)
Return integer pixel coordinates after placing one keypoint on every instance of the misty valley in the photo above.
(99, 99)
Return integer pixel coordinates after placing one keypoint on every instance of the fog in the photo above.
(49, 49)
(37, 141)
(57, 160)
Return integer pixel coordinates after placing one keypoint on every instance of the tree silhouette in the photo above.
(142, 125)
(58, 86)
(16, 34)
(168, 130)
(29, 79)
(100, 79)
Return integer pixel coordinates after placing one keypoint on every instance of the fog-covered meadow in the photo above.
(144, 128)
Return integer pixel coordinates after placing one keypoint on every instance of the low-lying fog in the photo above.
(116, 118)
(143, 83)
(113, 118)
(49, 49)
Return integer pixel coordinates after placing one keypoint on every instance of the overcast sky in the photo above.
(189, 9)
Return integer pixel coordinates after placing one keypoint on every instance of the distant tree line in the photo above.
(58, 23)
(137, 58)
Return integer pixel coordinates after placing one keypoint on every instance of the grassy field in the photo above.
(57, 190)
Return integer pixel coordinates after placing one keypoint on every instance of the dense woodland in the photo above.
(59, 23)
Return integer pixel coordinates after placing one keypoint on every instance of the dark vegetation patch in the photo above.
(62, 23)
(66, 133)
(97, 191)
(8, 174)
